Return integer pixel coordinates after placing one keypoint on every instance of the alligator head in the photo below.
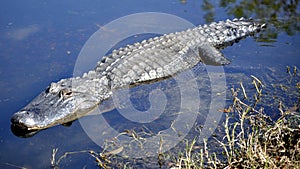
(60, 103)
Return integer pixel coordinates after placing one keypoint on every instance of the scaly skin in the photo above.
(150, 60)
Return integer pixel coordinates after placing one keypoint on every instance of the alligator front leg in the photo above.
(211, 56)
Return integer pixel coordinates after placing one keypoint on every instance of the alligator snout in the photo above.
(23, 119)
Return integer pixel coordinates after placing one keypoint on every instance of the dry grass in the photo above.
(251, 141)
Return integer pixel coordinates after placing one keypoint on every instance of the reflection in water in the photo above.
(23, 133)
(282, 15)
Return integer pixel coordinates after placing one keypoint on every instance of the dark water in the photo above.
(40, 42)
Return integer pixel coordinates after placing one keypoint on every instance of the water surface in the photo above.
(40, 42)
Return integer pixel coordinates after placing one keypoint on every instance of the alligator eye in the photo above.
(65, 93)
(69, 93)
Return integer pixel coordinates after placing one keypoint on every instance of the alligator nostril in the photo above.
(16, 118)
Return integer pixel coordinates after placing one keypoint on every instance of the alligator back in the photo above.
(164, 56)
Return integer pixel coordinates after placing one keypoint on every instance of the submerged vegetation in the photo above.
(250, 138)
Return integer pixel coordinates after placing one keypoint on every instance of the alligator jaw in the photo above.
(21, 130)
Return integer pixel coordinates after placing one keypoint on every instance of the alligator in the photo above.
(143, 62)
